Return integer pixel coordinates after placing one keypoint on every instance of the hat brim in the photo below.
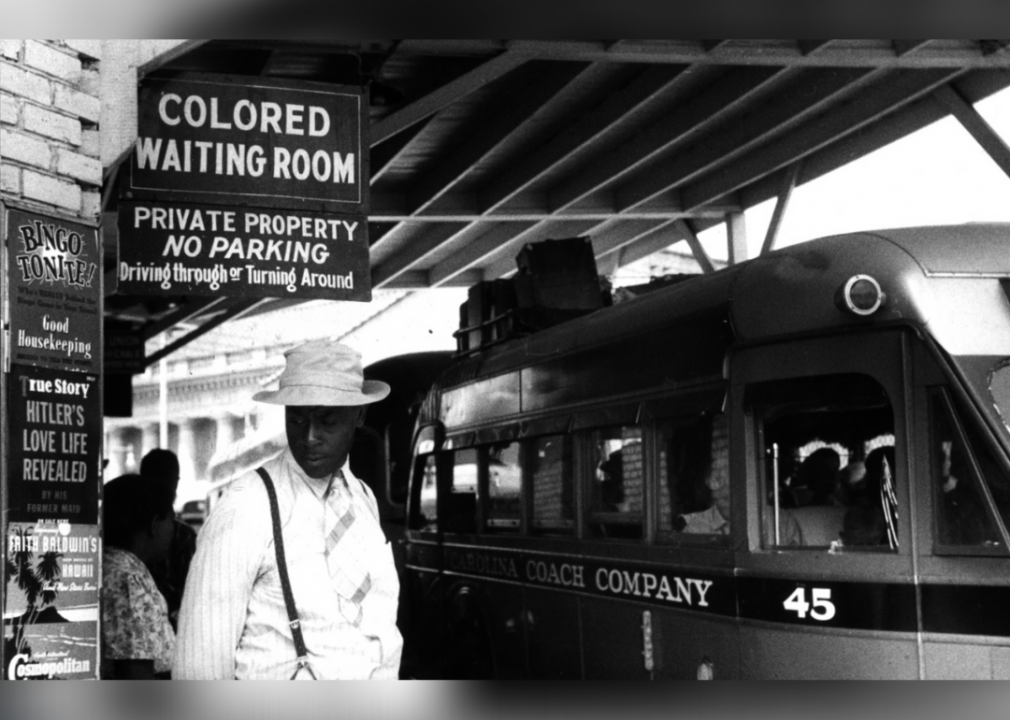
(316, 395)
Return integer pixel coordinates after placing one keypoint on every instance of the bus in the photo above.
(795, 467)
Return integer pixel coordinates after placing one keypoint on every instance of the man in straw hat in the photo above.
(235, 621)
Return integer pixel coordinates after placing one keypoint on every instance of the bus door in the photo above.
(825, 583)
(964, 501)
(483, 631)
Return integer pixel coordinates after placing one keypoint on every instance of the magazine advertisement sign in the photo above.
(54, 440)
(51, 606)
(51, 441)
(54, 268)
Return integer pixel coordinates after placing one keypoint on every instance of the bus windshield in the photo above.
(999, 387)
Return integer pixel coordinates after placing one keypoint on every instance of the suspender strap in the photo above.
(282, 568)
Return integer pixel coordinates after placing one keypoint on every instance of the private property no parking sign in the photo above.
(246, 187)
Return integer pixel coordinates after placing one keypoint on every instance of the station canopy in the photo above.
(479, 147)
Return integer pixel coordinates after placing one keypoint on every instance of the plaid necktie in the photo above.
(346, 551)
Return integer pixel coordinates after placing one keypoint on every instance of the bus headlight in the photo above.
(860, 295)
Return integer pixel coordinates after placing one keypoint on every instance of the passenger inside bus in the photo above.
(962, 519)
(697, 481)
(824, 426)
(612, 483)
(689, 458)
(618, 488)
(863, 526)
(820, 515)
(715, 518)
(850, 478)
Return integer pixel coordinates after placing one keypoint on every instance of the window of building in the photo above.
(549, 470)
(618, 487)
(828, 463)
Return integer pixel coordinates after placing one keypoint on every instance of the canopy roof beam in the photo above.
(781, 205)
(797, 53)
(445, 96)
(234, 309)
(976, 125)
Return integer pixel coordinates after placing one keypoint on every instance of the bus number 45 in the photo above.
(820, 607)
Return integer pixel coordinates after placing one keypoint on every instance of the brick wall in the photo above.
(49, 110)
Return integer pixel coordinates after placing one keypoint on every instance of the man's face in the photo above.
(320, 437)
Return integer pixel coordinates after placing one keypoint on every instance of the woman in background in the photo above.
(137, 639)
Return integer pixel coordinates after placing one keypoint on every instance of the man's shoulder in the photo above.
(244, 504)
(245, 489)
(251, 481)
(246, 497)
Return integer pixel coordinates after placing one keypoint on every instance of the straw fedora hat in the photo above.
(323, 372)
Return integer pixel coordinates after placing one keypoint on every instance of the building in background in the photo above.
(211, 381)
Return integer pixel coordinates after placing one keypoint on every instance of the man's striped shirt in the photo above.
(233, 622)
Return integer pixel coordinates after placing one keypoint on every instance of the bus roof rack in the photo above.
(556, 281)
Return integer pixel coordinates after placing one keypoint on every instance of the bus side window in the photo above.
(694, 488)
(618, 483)
(504, 486)
(549, 469)
(828, 462)
(424, 513)
(460, 504)
(961, 517)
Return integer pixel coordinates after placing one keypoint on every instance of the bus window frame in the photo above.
(414, 498)
(428, 441)
(766, 483)
(942, 396)
(484, 493)
(587, 432)
(673, 538)
(447, 513)
(934, 369)
(563, 529)
(880, 353)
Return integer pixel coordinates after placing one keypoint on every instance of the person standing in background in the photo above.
(137, 638)
(161, 467)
